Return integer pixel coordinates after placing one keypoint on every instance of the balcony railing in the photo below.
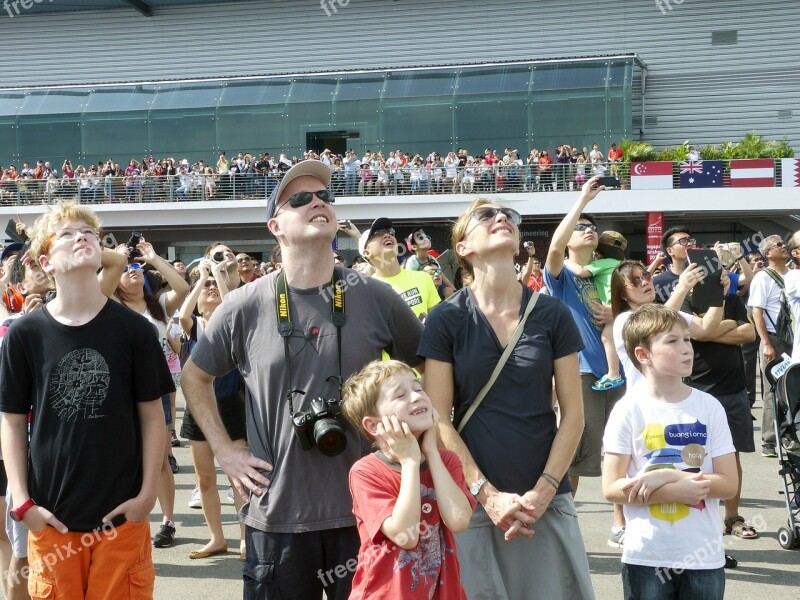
(393, 182)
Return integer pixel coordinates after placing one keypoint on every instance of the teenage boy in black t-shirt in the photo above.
(90, 373)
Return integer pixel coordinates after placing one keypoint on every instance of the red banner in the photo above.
(655, 229)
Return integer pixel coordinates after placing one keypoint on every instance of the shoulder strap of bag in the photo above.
(501, 363)
(775, 277)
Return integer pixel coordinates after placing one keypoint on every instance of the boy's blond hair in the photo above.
(45, 226)
(361, 391)
(644, 324)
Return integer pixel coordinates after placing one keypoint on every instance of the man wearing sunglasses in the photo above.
(246, 268)
(379, 246)
(675, 243)
(765, 301)
(576, 236)
(300, 528)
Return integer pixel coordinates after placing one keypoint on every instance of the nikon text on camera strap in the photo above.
(285, 327)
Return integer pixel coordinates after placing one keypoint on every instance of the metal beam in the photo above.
(141, 6)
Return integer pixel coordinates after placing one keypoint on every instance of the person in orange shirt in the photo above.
(615, 155)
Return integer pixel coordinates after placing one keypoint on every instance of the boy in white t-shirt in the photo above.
(669, 460)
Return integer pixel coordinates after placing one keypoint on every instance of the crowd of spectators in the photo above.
(248, 176)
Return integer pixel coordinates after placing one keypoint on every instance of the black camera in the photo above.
(321, 426)
(218, 257)
(134, 240)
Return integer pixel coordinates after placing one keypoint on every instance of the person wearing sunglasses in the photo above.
(92, 406)
(765, 301)
(576, 236)
(445, 289)
(520, 493)
(675, 244)
(379, 246)
(206, 296)
(137, 293)
(246, 268)
(297, 498)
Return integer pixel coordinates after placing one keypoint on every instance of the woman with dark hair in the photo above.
(632, 287)
(207, 294)
(514, 456)
(135, 292)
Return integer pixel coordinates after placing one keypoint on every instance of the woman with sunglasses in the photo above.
(632, 287)
(207, 294)
(135, 292)
(444, 287)
(514, 457)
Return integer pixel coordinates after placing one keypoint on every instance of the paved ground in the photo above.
(765, 571)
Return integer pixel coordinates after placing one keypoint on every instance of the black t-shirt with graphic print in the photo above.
(82, 385)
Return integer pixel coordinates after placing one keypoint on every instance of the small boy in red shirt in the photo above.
(409, 497)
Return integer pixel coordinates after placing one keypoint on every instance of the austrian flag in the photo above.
(651, 176)
(753, 173)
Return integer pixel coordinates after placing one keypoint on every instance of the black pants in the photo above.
(299, 566)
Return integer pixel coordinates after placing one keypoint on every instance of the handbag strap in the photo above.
(500, 363)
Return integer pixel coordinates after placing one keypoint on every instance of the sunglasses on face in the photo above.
(302, 198)
(382, 232)
(585, 226)
(485, 214)
(687, 241)
(776, 245)
(209, 283)
(134, 266)
(638, 280)
(433, 272)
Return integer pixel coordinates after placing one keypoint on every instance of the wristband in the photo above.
(551, 480)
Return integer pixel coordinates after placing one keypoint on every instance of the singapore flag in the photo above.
(651, 176)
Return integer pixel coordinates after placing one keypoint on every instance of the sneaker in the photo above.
(617, 539)
(229, 495)
(165, 536)
(173, 464)
(176, 443)
(194, 501)
(768, 450)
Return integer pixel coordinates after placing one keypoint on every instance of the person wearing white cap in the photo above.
(379, 246)
(296, 335)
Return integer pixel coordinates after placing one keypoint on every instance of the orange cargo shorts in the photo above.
(112, 563)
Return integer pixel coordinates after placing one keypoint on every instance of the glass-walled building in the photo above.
(522, 105)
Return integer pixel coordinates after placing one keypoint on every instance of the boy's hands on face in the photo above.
(401, 444)
(429, 442)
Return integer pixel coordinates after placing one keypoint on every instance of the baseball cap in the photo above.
(12, 248)
(612, 244)
(314, 168)
(377, 225)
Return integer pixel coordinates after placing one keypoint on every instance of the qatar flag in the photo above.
(651, 176)
(790, 172)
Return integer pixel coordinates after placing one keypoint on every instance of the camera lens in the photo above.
(329, 437)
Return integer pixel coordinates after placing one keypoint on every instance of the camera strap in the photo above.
(285, 327)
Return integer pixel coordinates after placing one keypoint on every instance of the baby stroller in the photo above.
(786, 406)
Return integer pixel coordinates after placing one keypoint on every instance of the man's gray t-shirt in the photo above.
(309, 491)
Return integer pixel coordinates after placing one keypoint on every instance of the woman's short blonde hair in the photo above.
(361, 391)
(45, 226)
(460, 229)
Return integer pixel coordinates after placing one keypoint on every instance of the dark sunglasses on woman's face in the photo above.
(484, 214)
(638, 280)
(585, 226)
(209, 283)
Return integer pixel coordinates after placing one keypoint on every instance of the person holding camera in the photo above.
(295, 335)
(532, 275)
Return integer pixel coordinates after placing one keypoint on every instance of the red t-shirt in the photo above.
(615, 154)
(536, 283)
(429, 571)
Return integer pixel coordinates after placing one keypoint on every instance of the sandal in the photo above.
(730, 562)
(736, 526)
(608, 383)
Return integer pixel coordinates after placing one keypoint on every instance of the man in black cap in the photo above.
(285, 333)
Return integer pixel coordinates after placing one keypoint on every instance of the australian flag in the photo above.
(701, 173)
